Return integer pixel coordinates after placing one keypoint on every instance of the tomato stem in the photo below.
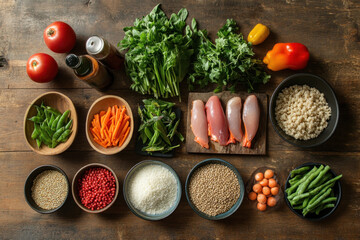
(34, 63)
(50, 32)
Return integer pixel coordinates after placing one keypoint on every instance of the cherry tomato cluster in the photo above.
(264, 190)
(96, 188)
(60, 38)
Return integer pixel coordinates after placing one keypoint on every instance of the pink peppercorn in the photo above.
(96, 188)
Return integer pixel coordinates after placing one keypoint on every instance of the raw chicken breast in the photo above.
(199, 123)
(251, 118)
(217, 123)
(233, 115)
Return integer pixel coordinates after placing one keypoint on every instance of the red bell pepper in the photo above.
(287, 55)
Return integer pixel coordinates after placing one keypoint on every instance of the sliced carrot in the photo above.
(125, 136)
(102, 113)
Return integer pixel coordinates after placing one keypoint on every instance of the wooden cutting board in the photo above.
(258, 143)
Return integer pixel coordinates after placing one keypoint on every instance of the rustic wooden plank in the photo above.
(19, 221)
(258, 146)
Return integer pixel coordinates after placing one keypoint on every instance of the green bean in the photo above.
(62, 119)
(291, 196)
(320, 176)
(321, 192)
(318, 201)
(299, 207)
(299, 171)
(329, 200)
(295, 179)
(322, 207)
(293, 188)
(310, 193)
(324, 179)
(305, 202)
(69, 124)
(54, 123)
(306, 183)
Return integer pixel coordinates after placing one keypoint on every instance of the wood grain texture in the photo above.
(330, 30)
(258, 145)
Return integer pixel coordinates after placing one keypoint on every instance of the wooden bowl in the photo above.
(102, 104)
(74, 187)
(60, 102)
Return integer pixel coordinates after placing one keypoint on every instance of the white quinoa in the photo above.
(49, 189)
(302, 112)
(214, 189)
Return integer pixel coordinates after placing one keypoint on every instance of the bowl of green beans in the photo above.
(313, 191)
(50, 123)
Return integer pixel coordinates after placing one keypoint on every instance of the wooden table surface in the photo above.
(329, 28)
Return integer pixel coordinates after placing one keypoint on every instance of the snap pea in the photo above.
(36, 131)
(52, 118)
(320, 176)
(58, 133)
(62, 119)
(64, 136)
(299, 171)
(54, 123)
(159, 126)
(69, 124)
(47, 114)
(38, 142)
(36, 119)
(53, 111)
(40, 112)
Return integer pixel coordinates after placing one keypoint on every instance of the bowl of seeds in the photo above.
(46, 189)
(214, 189)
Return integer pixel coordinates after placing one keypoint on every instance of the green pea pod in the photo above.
(35, 134)
(58, 133)
(54, 143)
(62, 119)
(148, 132)
(159, 126)
(45, 138)
(48, 130)
(54, 123)
(47, 114)
(53, 111)
(38, 142)
(40, 112)
(36, 119)
(64, 135)
(52, 118)
(69, 124)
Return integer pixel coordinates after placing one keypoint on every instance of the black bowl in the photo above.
(323, 214)
(233, 208)
(29, 182)
(320, 84)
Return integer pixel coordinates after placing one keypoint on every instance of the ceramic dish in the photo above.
(139, 213)
(60, 102)
(323, 214)
(102, 104)
(29, 183)
(234, 207)
(79, 174)
(320, 84)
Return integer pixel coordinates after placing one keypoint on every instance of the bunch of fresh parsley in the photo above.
(158, 53)
(227, 63)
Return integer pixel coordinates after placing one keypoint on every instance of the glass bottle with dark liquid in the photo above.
(89, 70)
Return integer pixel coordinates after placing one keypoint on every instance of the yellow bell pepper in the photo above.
(259, 33)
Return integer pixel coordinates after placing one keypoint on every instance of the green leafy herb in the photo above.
(159, 125)
(227, 63)
(158, 56)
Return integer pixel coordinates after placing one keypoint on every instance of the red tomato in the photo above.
(59, 37)
(41, 67)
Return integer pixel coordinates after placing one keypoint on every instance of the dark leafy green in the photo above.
(227, 63)
(159, 126)
(158, 53)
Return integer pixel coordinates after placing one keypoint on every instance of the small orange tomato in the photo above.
(272, 183)
(274, 191)
(252, 196)
(257, 188)
(269, 173)
(264, 182)
(266, 191)
(261, 198)
(271, 201)
(259, 176)
(261, 206)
